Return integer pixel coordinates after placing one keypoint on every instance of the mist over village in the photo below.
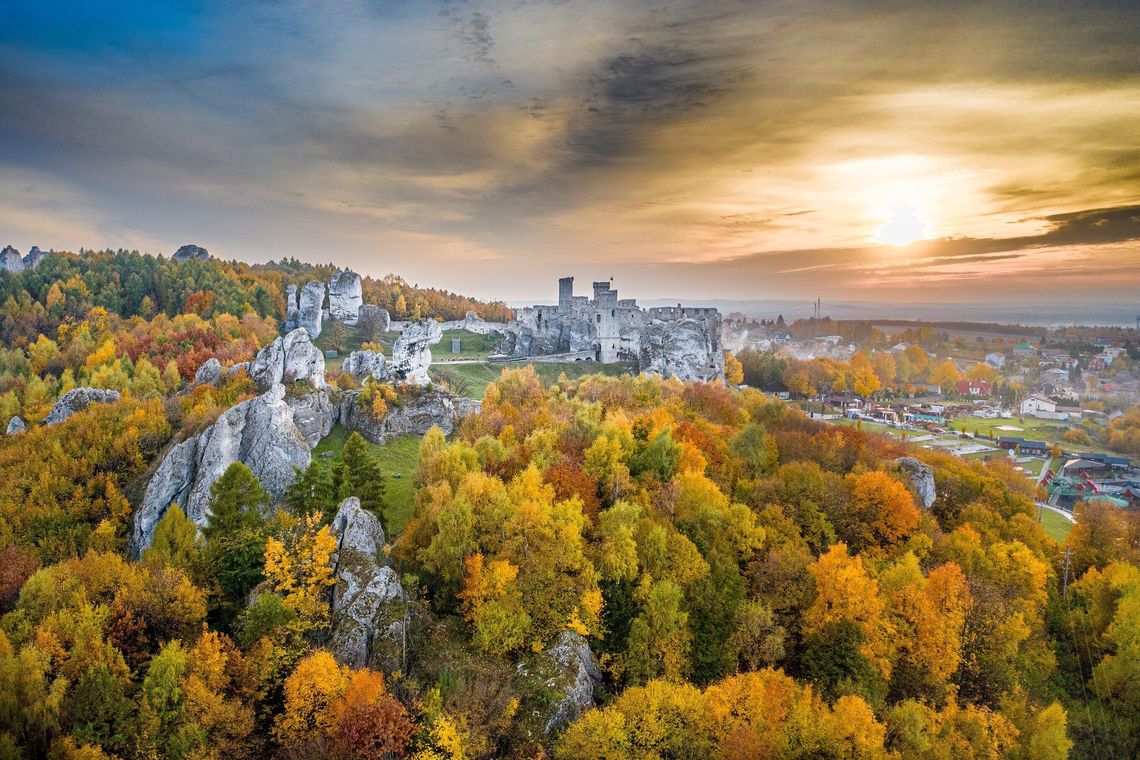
(554, 379)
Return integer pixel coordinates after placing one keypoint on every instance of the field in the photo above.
(397, 457)
(1055, 525)
(478, 375)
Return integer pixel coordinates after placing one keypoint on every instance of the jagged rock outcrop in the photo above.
(16, 425)
(78, 399)
(367, 604)
(10, 260)
(683, 348)
(414, 414)
(920, 477)
(34, 257)
(310, 305)
(288, 359)
(314, 414)
(411, 354)
(346, 295)
(364, 364)
(374, 318)
(260, 432)
(292, 308)
(209, 373)
(191, 253)
(473, 323)
(576, 678)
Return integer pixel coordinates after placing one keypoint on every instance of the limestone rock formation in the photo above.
(16, 426)
(34, 257)
(576, 677)
(684, 348)
(310, 304)
(288, 359)
(346, 296)
(313, 413)
(374, 319)
(209, 373)
(10, 260)
(415, 414)
(260, 432)
(364, 364)
(920, 476)
(367, 604)
(78, 399)
(411, 354)
(191, 253)
(292, 308)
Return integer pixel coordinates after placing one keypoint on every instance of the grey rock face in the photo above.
(577, 676)
(920, 477)
(16, 426)
(367, 609)
(309, 308)
(314, 415)
(414, 415)
(346, 296)
(684, 348)
(78, 399)
(34, 257)
(292, 308)
(10, 260)
(288, 359)
(364, 364)
(191, 253)
(374, 318)
(209, 373)
(260, 432)
(411, 354)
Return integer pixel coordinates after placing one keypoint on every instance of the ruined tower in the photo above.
(565, 293)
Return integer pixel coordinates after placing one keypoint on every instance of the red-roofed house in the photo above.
(977, 388)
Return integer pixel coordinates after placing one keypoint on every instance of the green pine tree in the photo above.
(314, 490)
(361, 475)
(236, 501)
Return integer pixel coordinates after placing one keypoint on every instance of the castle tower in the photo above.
(606, 322)
(565, 292)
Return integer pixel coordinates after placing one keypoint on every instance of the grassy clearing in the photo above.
(397, 457)
(479, 376)
(471, 345)
(1055, 525)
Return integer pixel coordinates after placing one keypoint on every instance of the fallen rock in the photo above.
(290, 358)
(365, 364)
(209, 373)
(78, 399)
(16, 425)
(367, 605)
(346, 295)
(920, 477)
(191, 253)
(309, 308)
(411, 354)
(260, 432)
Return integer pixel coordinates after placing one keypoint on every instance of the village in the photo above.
(1058, 404)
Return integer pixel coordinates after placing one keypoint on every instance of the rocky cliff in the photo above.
(411, 354)
(78, 399)
(346, 296)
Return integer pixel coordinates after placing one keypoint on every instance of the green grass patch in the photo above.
(397, 457)
(478, 376)
(1055, 525)
(471, 345)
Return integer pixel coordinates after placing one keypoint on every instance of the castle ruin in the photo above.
(670, 341)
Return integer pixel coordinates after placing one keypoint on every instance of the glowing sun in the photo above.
(904, 225)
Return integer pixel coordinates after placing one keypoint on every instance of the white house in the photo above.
(995, 360)
(1036, 404)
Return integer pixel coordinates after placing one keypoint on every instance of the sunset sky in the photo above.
(732, 149)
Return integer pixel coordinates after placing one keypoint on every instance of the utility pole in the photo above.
(1065, 576)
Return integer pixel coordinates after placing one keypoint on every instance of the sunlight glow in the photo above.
(904, 225)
